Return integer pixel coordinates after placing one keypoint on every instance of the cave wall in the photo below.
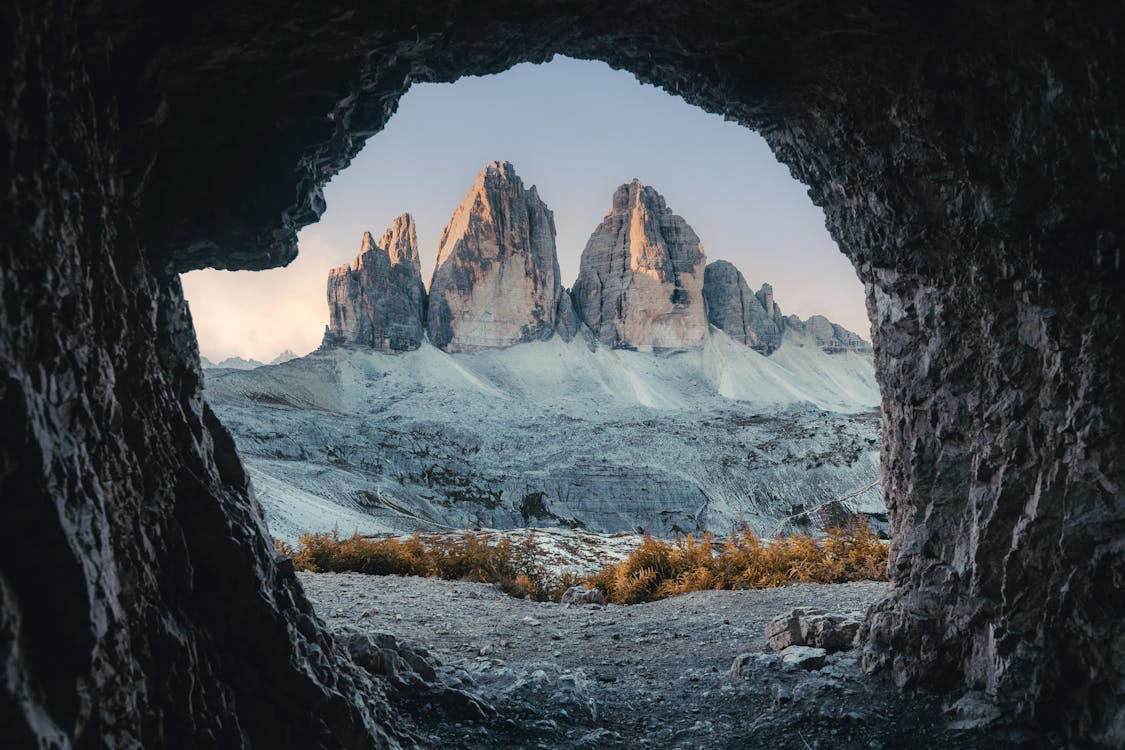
(968, 159)
(140, 603)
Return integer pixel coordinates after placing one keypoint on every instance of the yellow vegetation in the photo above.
(657, 569)
(469, 558)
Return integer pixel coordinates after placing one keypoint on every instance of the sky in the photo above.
(575, 129)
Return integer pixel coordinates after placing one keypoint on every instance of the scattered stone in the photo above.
(812, 627)
(805, 657)
(579, 595)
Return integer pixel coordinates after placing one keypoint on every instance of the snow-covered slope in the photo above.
(550, 433)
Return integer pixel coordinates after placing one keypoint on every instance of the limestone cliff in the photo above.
(752, 319)
(640, 283)
(496, 282)
(379, 301)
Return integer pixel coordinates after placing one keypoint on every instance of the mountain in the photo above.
(749, 318)
(496, 282)
(643, 401)
(232, 363)
(640, 280)
(553, 433)
(379, 301)
(285, 356)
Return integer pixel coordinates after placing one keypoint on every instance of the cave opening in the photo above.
(967, 162)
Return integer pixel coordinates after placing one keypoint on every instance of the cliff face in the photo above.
(752, 319)
(640, 283)
(379, 301)
(496, 282)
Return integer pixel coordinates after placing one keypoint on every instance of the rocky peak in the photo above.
(379, 301)
(496, 282)
(831, 337)
(401, 243)
(640, 283)
(752, 319)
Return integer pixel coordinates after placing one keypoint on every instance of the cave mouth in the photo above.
(772, 407)
(966, 159)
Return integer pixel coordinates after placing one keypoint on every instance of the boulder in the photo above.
(812, 627)
(577, 595)
(804, 657)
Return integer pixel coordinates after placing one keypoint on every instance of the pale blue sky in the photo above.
(575, 129)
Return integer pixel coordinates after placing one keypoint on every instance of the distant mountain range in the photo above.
(658, 393)
(238, 363)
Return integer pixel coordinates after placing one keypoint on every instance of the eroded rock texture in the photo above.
(754, 320)
(379, 301)
(496, 282)
(968, 160)
(640, 282)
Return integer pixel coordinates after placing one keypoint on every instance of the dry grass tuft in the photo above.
(660, 569)
(470, 558)
(657, 569)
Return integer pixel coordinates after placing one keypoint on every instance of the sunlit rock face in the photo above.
(831, 337)
(379, 301)
(497, 277)
(640, 283)
(752, 319)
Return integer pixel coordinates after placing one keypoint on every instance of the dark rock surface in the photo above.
(752, 319)
(968, 160)
(684, 673)
(496, 282)
(380, 300)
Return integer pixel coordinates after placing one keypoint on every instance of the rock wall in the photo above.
(640, 281)
(140, 601)
(752, 319)
(380, 300)
(967, 158)
(496, 282)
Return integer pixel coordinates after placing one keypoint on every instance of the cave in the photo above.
(968, 160)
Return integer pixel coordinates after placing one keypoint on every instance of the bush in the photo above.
(660, 569)
(657, 569)
(469, 558)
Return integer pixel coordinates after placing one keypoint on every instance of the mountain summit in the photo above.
(643, 284)
(640, 283)
(496, 282)
(380, 300)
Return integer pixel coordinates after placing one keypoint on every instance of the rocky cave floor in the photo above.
(651, 675)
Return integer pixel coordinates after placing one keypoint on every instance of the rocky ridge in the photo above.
(643, 283)
(379, 301)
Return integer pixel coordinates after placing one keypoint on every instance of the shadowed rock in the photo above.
(640, 283)
(751, 319)
(497, 277)
(379, 301)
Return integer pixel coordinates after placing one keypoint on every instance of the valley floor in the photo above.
(652, 675)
